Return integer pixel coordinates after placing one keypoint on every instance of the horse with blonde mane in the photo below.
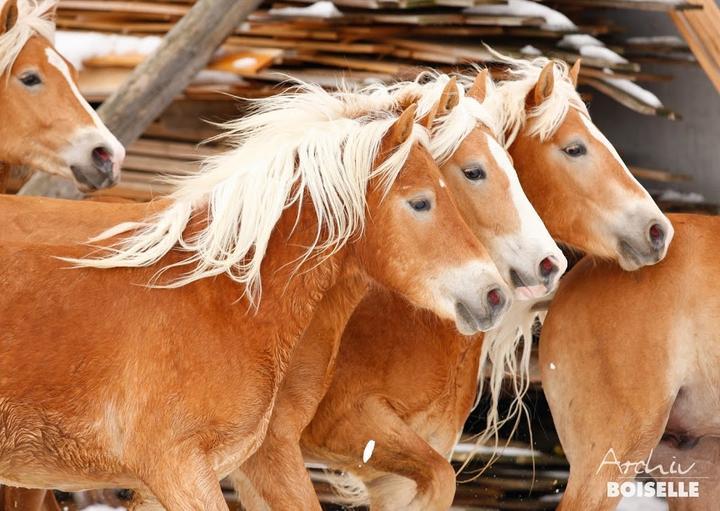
(587, 199)
(641, 394)
(170, 387)
(46, 123)
(479, 175)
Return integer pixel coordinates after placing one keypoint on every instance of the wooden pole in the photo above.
(152, 86)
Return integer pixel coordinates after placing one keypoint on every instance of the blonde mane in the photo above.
(34, 18)
(543, 120)
(449, 130)
(303, 143)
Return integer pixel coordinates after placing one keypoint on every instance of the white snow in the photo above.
(674, 195)
(80, 46)
(602, 53)
(554, 20)
(530, 50)
(209, 76)
(577, 41)
(244, 62)
(369, 448)
(670, 40)
(322, 9)
(642, 95)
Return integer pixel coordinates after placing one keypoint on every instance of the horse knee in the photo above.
(440, 487)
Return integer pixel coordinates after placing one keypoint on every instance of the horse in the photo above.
(196, 310)
(405, 379)
(480, 177)
(46, 123)
(629, 364)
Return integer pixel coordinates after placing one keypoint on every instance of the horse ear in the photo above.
(575, 72)
(402, 128)
(544, 86)
(448, 100)
(478, 90)
(451, 93)
(8, 16)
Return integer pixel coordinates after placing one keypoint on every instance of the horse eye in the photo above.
(475, 173)
(30, 79)
(420, 204)
(575, 150)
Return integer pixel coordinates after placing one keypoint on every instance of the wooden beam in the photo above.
(152, 86)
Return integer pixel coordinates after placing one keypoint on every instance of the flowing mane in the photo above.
(34, 18)
(542, 120)
(302, 143)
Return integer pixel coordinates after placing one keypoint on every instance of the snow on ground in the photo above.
(554, 20)
(642, 504)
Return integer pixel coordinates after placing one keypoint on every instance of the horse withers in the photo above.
(45, 123)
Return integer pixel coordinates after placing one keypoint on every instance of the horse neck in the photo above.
(291, 295)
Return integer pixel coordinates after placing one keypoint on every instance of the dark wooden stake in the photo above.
(152, 86)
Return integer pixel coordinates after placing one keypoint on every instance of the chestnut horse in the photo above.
(45, 123)
(480, 177)
(168, 388)
(631, 369)
(407, 380)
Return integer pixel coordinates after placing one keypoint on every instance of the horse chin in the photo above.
(631, 259)
(527, 293)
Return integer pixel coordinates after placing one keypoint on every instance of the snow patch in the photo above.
(674, 195)
(80, 46)
(577, 41)
(554, 20)
(530, 50)
(642, 95)
(602, 53)
(322, 9)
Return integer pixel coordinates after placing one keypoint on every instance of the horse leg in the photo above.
(25, 499)
(178, 486)
(418, 477)
(277, 464)
(703, 456)
(599, 430)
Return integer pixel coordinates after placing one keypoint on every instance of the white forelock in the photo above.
(303, 143)
(450, 129)
(542, 120)
(34, 18)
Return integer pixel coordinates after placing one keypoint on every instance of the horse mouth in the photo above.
(523, 291)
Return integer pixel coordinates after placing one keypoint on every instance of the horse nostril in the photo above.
(657, 236)
(548, 267)
(102, 159)
(495, 298)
